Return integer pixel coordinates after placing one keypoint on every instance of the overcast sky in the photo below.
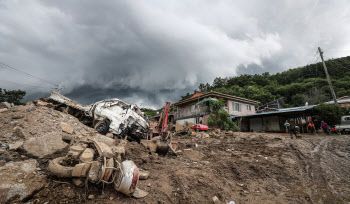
(147, 52)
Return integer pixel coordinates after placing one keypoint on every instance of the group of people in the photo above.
(294, 130)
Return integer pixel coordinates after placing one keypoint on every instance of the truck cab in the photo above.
(344, 126)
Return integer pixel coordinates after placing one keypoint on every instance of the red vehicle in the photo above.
(200, 127)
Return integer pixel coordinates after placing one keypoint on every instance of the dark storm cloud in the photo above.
(147, 52)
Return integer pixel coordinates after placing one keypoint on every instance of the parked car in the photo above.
(200, 127)
(344, 126)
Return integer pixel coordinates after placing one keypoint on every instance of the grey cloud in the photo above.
(147, 52)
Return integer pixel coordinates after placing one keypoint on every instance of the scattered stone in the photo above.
(78, 182)
(91, 197)
(17, 116)
(69, 193)
(67, 128)
(216, 200)
(143, 175)
(18, 132)
(44, 145)
(8, 135)
(3, 110)
(17, 145)
(110, 135)
(41, 103)
(12, 172)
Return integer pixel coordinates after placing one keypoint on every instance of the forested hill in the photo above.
(296, 86)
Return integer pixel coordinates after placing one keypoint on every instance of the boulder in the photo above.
(20, 179)
(3, 110)
(44, 145)
(67, 128)
(5, 105)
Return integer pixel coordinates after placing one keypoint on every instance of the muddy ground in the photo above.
(240, 167)
(244, 167)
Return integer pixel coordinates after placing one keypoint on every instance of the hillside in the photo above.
(296, 86)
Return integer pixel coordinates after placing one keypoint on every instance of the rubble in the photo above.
(44, 145)
(110, 115)
(20, 179)
(6, 105)
(67, 128)
(3, 110)
(15, 146)
(222, 165)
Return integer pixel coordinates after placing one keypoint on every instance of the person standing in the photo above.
(324, 127)
(287, 124)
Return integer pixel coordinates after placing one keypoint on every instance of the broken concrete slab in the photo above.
(20, 179)
(3, 110)
(5, 105)
(44, 145)
(67, 128)
(17, 145)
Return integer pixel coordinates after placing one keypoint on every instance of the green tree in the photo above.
(219, 118)
(149, 112)
(14, 96)
(331, 114)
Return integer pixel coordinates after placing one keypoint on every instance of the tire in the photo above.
(57, 169)
(102, 127)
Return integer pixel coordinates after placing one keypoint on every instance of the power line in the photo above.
(337, 51)
(25, 73)
(24, 85)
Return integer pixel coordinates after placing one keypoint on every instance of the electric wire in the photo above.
(24, 73)
(24, 85)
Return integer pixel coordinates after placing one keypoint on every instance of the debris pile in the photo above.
(49, 156)
(37, 135)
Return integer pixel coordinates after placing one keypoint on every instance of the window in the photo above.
(249, 107)
(237, 107)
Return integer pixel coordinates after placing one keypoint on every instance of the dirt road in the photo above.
(243, 167)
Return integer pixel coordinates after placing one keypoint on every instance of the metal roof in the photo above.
(284, 110)
(339, 101)
(213, 93)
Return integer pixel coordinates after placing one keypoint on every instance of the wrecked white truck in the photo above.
(111, 115)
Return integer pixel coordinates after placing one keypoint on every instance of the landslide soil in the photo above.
(243, 167)
(240, 167)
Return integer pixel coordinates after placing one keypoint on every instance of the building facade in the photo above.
(188, 111)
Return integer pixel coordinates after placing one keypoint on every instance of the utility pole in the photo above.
(328, 78)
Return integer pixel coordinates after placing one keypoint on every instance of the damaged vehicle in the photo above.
(98, 160)
(111, 115)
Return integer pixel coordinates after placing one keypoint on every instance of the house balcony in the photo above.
(187, 113)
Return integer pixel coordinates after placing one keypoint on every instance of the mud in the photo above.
(240, 167)
(245, 168)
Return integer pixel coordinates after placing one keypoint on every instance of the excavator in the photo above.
(162, 143)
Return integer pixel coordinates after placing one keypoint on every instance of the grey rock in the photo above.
(13, 172)
(44, 145)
